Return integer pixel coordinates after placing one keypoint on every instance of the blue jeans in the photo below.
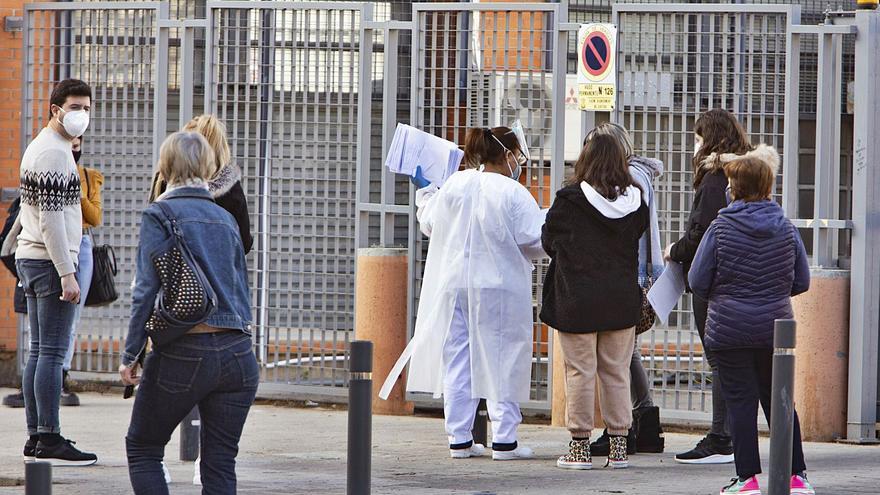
(50, 319)
(84, 276)
(218, 373)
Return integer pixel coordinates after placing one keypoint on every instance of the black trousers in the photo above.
(746, 377)
(719, 409)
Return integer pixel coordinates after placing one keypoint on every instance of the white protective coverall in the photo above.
(475, 317)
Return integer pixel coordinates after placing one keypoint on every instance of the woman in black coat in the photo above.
(592, 295)
(225, 186)
(718, 137)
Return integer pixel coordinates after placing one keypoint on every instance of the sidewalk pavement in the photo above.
(303, 451)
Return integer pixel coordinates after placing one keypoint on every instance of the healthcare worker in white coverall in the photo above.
(474, 328)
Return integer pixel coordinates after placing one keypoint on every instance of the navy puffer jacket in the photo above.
(749, 264)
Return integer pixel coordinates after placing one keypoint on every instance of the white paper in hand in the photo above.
(667, 290)
(411, 148)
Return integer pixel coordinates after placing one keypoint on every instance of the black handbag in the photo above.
(186, 298)
(103, 289)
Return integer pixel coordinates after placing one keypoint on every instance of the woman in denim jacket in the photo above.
(212, 366)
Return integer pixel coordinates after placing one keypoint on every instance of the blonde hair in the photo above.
(214, 130)
(616, 131)
(186, 157)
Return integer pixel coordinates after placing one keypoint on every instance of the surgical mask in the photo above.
(75, 123)
(76, 155)
(697, 145)
(514, 172)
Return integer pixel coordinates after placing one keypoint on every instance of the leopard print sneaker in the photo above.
(617, 457)
(578, 456)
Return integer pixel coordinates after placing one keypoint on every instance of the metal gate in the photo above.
(114, 46)
(291, 80)
(676, 62)
(485, 65)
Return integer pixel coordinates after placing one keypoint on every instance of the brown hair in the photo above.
(721, 133)
(602, 164)
(751, 179)
(480, 147)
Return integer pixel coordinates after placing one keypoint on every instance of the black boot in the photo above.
(68, 398)
(649, 438)
(602, 446)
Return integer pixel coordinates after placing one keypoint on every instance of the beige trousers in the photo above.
(607, 354)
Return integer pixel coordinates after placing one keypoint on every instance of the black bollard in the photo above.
(190, 430)
(782, 408)
(360, 417)
(481, 427)
(37, 478)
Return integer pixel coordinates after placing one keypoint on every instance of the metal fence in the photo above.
(287, 80)
(114, 47)
(676, 62)
(311, 93)
(480, 65)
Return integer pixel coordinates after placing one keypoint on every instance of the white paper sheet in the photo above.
(667, 290)
(411, 148)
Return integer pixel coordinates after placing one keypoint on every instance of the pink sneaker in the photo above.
(738, 487)
(800, 486)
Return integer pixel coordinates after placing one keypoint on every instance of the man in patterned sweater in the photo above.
(48, 246)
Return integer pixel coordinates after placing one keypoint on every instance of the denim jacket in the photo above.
(212, 235)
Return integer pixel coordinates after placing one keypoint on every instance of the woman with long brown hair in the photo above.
(718, 137)
(592, 295)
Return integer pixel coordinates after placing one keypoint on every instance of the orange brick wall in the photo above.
(10, 149)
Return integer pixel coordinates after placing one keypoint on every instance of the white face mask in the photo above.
(698, 143)
(75, 123)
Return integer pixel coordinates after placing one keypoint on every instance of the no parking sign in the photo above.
(597, 76)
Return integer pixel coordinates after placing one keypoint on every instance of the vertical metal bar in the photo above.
(210, 105)
(389, 118)
(782, 408)
(415, 120)
(187, 47)
(160, 79)
(557, 108)
(27, 79)
(791, 129)
(827, 129)
(865, 281)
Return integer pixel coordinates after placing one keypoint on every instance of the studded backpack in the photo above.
(186, 298)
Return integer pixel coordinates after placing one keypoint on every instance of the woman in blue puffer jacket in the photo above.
(749, 264)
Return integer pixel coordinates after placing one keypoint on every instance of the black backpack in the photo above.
(9, 261)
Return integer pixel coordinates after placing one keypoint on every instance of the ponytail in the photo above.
(481, 145)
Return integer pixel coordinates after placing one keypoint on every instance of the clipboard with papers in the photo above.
(411, 148)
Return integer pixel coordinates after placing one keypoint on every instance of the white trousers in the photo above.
(459, 407)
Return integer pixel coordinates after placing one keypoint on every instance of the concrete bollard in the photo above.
(360, 417)
(822, 370)
(481, 424)
(782, 409)
(381, 317)
(37, 478)
(190, 430)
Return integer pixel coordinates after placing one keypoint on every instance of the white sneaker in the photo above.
(166, 473)
(475, 450)
(512, 455)
(197, 472)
